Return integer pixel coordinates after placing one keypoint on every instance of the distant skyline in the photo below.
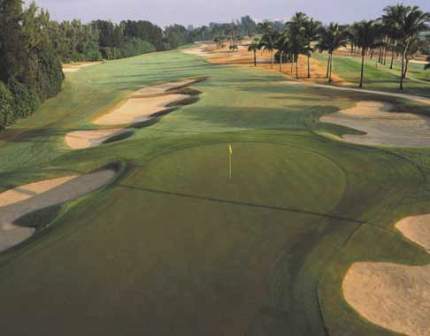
(201, 12)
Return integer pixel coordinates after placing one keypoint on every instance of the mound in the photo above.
(87, 139)
(382, 127)
(29, 198)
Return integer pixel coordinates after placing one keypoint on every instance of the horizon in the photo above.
(198, 13)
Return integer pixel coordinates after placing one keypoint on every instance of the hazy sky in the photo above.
(198, 12)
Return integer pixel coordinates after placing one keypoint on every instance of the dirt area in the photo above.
(23, 200)
(243, 57)
(73, 67)
(382, 127)
(88, 139)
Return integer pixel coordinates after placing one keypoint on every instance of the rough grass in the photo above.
(174, 247)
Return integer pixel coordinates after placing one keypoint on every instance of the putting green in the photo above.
(257, 170)
(194, 252)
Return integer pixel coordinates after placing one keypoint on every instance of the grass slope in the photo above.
(174, 247)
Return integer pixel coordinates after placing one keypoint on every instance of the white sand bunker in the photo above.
(417, 229)
(135, 110)
(146, 103)
(164, 88)
(394, 296)
(87, 139)
(73, 67)
(382, 127)
(23, 200)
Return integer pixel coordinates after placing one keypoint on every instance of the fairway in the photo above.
(173, 245)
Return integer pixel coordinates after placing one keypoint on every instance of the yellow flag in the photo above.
(230, 148)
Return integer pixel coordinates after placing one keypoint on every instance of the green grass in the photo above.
(379, 77)
(174, 247)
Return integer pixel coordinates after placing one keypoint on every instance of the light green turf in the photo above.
(380, 77)
(174, 247)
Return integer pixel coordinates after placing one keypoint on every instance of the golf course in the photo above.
(252, 178)
(171, 245)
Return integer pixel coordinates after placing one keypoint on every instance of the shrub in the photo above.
(25, 101)
(6, 106)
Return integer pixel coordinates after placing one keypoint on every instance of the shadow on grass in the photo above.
(239, 203)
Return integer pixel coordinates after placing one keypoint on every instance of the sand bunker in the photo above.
(23, 200)
(140, 106)
(382, 127)
(87, 139)
(416, 229)
(146, 103)
(394, 296)
(135, 110)
(73, 67)
(162, 89)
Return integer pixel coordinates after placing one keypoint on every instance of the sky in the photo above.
(200, 12)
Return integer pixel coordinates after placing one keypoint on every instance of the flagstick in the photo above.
(230, 165)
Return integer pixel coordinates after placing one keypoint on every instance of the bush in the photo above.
(6, 106)
(25, 101)
(135, 47)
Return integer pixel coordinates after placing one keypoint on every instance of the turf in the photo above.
(380, 77)
(175, 247)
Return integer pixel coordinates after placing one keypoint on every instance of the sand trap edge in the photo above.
(119, 170)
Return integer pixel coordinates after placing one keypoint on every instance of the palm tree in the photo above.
(408, 23)
(311, 33)
(390, 20)
(254, 46)
(367, 34)
(296, 32)
(268, 40)
(427, 66)
(282, 45)
(331, 38)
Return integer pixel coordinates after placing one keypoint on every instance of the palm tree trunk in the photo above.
(309, 66)
(255, 57)
(406, 68)
(362, 67)
(330, 68)
(392, 59)
(281, 59)
(402, 76)
(297, 67)
(385, 55)
(271, 56)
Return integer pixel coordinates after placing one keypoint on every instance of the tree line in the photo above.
(33, 48)
(398, 33)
